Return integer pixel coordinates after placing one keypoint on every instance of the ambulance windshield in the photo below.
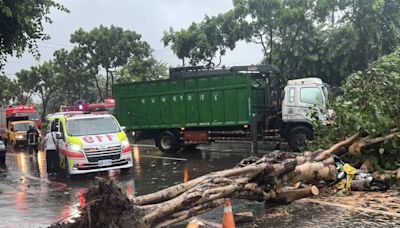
(92, 126)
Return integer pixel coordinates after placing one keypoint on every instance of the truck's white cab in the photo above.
(302, 96)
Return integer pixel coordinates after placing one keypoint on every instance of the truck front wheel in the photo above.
(298, 137)
(167, 142)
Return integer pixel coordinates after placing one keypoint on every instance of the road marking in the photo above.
(168, 158)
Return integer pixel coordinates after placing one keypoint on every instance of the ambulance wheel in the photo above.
(168, 142)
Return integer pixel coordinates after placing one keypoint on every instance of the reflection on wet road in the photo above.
(31, 198)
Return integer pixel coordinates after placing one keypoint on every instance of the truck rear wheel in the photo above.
(298, 137)
(167, 142)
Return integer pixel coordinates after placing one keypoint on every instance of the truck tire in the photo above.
(167, 142)
(298, 137)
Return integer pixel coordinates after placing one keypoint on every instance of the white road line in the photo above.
(168, 158)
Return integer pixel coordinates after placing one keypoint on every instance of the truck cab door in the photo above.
(61, 140)
(301, 102)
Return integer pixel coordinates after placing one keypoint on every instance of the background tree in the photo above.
(46, 81)
(143, 70)
(110, 48)
(74, 75)
(204, 41)
(23, 86)
(316, 38)
(21, 25)
(7, 93)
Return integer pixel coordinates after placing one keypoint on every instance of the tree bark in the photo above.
(290, 195)
(98, 87)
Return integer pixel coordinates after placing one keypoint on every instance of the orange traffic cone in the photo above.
(227, 220)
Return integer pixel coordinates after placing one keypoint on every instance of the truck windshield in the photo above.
(92, 126)
(311, 95)
(30, 115)
(21, 127)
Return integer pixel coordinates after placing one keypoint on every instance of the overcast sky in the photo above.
(150, 18)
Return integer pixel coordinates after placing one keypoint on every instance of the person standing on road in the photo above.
(50, 146)
(33, 139)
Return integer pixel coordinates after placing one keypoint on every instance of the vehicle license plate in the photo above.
(105, 162)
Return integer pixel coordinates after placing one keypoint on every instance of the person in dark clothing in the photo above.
(33, 139)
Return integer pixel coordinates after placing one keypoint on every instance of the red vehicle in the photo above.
(107, 107)
(29, 111)
(103, 108)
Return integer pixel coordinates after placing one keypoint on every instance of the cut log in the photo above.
(291, 195)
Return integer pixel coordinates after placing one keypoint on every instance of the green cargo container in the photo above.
(221, 100)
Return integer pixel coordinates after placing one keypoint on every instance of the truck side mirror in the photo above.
(123, 128)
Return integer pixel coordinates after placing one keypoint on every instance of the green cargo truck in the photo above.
(198, 105)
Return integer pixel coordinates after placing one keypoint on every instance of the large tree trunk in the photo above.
(98, 87)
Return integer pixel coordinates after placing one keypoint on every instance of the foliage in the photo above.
(110, 48)
(74, 75)
(6, 90)
(368, 104)
(24, 86)
(21, 25)
(143, 70)
(204, 41)
(329, 39)
(46, 81)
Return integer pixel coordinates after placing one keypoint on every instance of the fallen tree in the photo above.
(273, 177)
(368, 104)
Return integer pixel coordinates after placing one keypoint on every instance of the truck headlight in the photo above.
(20, 137)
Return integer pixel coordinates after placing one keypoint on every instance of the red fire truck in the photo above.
(106, 107)
(28, 111)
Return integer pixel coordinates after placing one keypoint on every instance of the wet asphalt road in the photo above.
(31, 198)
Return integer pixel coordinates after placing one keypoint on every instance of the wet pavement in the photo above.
(31, 198)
